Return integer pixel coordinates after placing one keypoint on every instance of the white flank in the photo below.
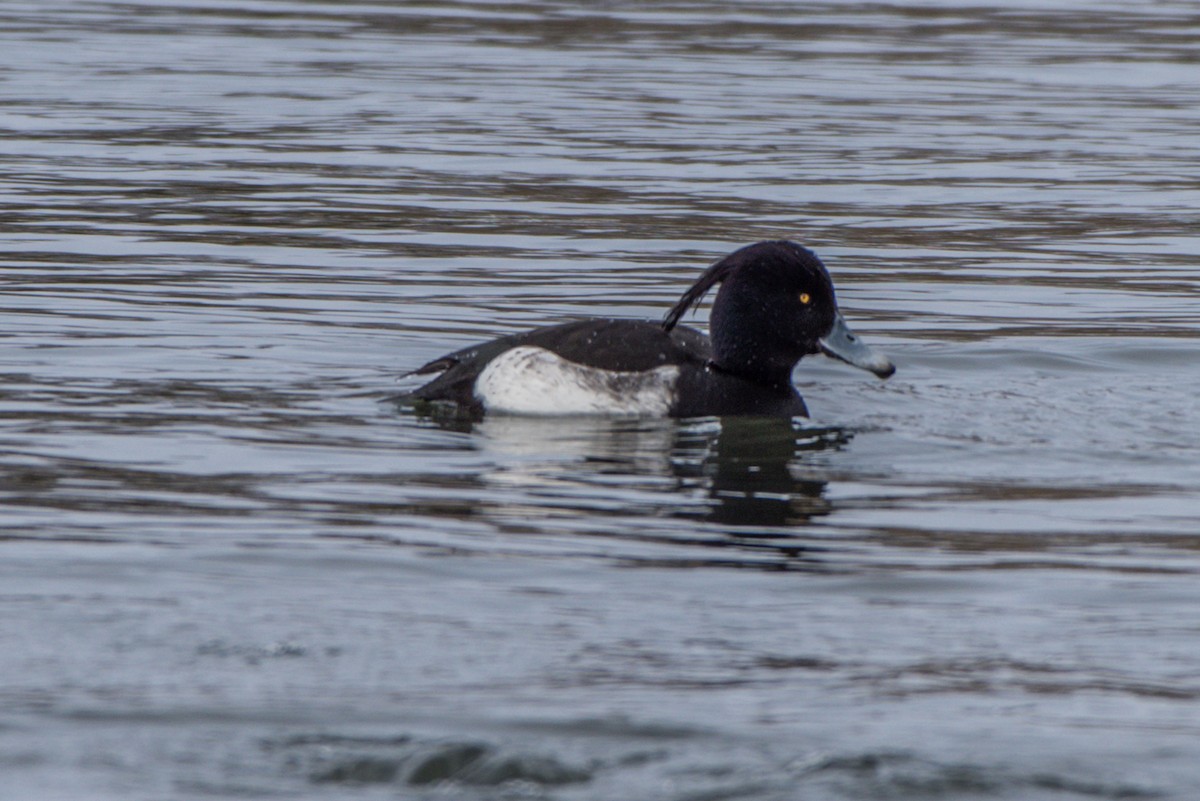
(528, 380)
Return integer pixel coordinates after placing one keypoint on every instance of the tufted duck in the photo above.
(775, 306)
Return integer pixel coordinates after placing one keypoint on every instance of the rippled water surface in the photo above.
(231, 566)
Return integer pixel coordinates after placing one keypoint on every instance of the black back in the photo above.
(621, 345)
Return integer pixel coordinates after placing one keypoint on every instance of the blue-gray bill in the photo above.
(842, 343)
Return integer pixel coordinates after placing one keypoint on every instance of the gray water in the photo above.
(232, 567)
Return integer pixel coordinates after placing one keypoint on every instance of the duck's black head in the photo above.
(775, 306)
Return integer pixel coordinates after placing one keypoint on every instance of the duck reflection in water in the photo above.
(754, 477)
(591, 475)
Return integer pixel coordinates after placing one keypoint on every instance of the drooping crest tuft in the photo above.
(707, 280)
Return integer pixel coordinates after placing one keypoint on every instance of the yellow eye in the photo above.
(804, 298)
